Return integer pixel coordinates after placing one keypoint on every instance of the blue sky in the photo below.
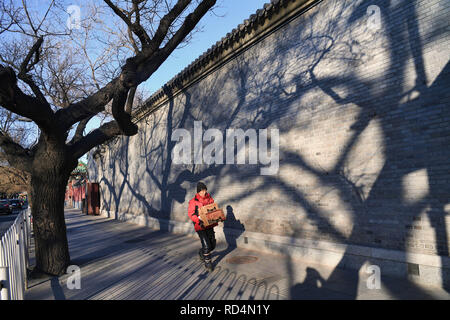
(234, 12)
(228, 15)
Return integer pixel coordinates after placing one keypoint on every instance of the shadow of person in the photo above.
(232, 230)
(313, 288)
(310, 288)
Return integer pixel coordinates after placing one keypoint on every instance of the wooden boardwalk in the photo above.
(124, 261)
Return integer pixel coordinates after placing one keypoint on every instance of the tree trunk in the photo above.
(48, 186)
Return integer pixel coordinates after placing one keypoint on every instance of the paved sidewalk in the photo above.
(124, 261)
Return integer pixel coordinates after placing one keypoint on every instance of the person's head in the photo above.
(201, 189)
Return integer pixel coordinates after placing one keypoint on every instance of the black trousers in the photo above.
(208, 240)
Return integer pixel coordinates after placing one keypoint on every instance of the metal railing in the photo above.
(14, 259)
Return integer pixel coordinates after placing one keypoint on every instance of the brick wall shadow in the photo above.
(414, 136)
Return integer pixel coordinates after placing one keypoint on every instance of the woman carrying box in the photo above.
(205, 233)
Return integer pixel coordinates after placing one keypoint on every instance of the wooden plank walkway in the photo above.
(124, 261)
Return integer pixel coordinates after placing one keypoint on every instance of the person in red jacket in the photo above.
(206, 234)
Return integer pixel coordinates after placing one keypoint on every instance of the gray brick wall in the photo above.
(364, 126)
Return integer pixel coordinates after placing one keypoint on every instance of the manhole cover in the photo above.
(241, 259)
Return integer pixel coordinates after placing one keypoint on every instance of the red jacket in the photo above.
(198, 202)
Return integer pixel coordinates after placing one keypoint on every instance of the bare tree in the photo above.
(20, 131)
(44, 82)
(12, 180)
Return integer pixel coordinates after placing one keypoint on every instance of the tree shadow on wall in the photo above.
(117, 164)
(400, 119)
(407, 142)
(264, 98)
(172, 180)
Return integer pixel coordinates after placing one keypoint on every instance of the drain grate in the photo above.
(241, 259)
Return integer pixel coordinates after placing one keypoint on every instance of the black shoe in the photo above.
(209, 266)
(200, 254)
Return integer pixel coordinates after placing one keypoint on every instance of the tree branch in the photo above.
(26, 67)
(29, 18)
(17, 156)
(165, 23)
(94, 138)
(123, 119)
(80, 130)
(130, 100)
(148, 62)
(87, 107)
(137, 29)
(188, 25)
(14, 100)
(136, 70)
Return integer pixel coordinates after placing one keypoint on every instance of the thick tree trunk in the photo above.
(48, 185)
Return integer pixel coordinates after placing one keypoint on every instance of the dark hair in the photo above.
(201, 186)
